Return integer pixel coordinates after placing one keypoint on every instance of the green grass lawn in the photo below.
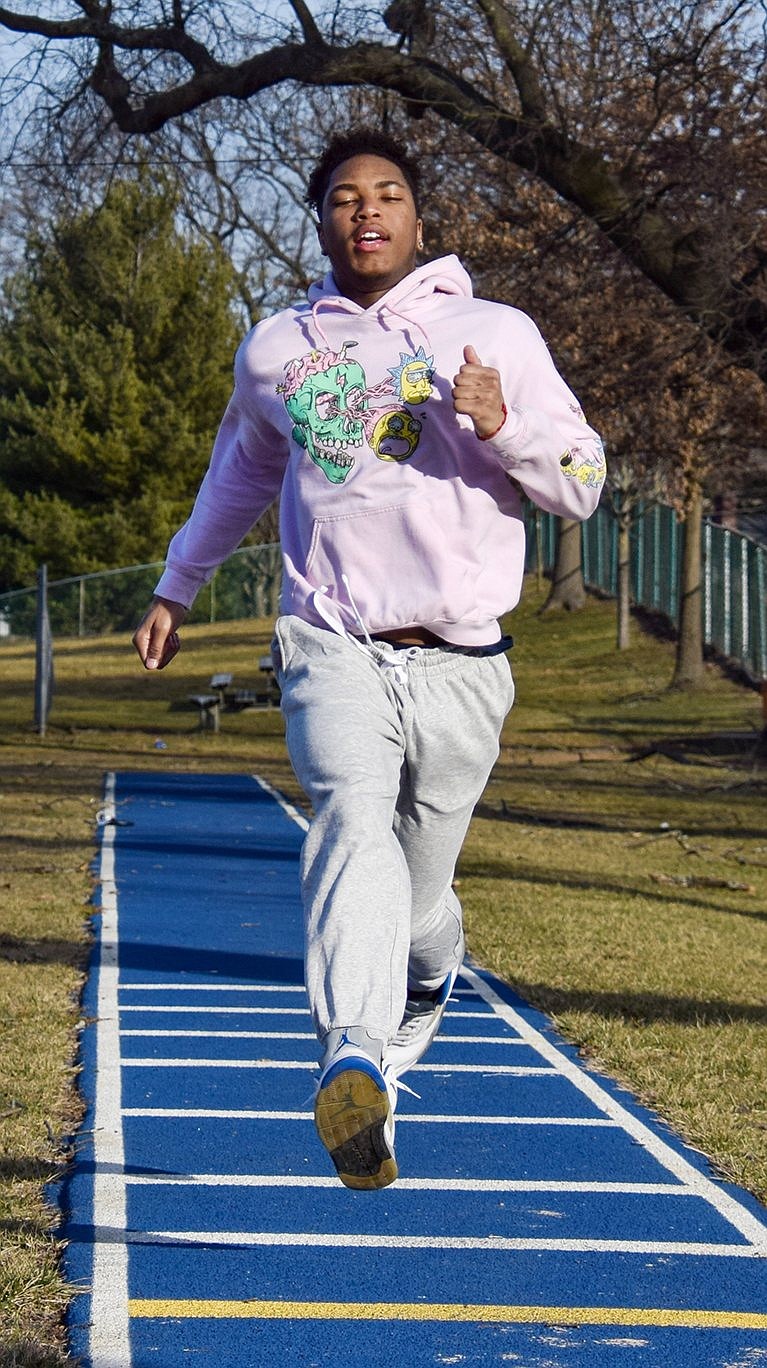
(615, 873)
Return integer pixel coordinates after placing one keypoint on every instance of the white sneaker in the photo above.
(419, 1025)
(354, 1116)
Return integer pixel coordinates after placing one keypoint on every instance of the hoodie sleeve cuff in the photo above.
(179, 587)
(508, 440)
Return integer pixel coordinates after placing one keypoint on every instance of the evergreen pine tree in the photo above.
(116, 347)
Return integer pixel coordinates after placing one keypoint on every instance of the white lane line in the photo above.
(267, 1180)
(305, 1035)
(275, 1011)
(458, 1015)
(448, 1039)
(208, 987)
(231, 1114)
(290, 811)
(732, 1211)
(190, 1010)
(205, 986)
(232, 1011)
(158, 1062)
(109, 1342)
(491, 1243)
(224, 1035)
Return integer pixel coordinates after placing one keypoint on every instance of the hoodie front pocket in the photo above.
(398, 563)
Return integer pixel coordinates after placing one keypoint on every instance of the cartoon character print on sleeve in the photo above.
(587, 466)
(334, 410)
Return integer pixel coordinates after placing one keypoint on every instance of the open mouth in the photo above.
(370, 240)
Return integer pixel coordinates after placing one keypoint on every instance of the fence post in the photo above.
(656, 567)
(678, 531)
(745, 642)
(43, 654)
(81, 607)
(727, 567)
(639, 523)
(760, 636)
(707, 586)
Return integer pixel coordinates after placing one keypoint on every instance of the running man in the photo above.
(398, 418)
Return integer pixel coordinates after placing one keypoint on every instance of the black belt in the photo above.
(494, 648)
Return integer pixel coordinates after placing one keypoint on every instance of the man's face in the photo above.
(369, 227)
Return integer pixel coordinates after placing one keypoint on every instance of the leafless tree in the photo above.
(600, 165)
(646, 116)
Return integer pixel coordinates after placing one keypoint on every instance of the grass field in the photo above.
(615, 873)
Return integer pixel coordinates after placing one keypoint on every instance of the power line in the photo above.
(44, 164)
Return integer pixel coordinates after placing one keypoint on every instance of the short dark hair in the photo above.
(356, 142)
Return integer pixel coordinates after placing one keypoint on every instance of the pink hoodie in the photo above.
(392, 512)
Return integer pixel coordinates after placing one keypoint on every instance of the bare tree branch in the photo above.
(308, 27)
(98, 26)
(517, 59)
(669, 238)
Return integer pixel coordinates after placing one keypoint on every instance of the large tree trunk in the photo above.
(688, 671)
(623, 640)
(567, 588)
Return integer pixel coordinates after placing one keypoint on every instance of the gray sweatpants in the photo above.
(393, 761)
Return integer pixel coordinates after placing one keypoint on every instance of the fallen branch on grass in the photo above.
(702, 881)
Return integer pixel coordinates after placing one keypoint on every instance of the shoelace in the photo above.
(403, 1087)
(406, 1030)
(415, 1011)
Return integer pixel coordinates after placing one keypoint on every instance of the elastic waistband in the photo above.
(495, 648)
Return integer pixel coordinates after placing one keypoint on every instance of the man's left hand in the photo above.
(477, 392)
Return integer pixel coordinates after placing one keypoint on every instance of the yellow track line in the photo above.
(449, 1311)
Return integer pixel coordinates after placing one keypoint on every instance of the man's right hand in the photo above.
(156, 637)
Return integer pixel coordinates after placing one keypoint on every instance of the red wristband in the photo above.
(490, 435)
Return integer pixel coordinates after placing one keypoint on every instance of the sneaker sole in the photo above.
(350, 1114)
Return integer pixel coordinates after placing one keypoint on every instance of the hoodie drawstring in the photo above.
(318, 326)
(409, 323)
(382, 653)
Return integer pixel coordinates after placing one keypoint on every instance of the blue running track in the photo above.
(543, 1218)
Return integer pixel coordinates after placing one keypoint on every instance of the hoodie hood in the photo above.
(444, 276)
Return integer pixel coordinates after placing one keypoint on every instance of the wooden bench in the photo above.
(210, 708)
(266, 667)
(237, 699)
(219, 684)
(267, 696)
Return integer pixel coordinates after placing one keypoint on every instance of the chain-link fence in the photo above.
(246, 585)
(734, 574)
